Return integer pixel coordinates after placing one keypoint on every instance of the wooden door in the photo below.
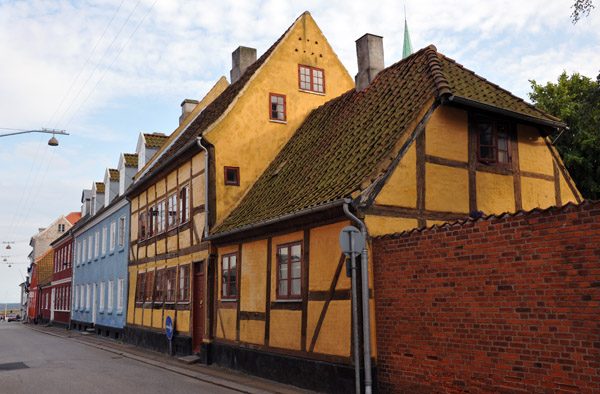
(198, 289)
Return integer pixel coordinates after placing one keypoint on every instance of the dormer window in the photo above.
(493, 141)
(61, 228)
(232, 176)
(311, 79)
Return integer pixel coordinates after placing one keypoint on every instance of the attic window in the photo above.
(493, 142)
(311, 79)
(277, 107)
(232, 176)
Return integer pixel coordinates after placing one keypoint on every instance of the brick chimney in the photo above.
(187, 106)
(369, 53)
(241, 59)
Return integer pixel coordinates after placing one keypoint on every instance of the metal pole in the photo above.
(365, 299)
(355, 317)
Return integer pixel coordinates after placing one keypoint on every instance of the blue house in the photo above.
(101, 253)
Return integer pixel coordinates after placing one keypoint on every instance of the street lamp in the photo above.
(52, 141)
(8, 242)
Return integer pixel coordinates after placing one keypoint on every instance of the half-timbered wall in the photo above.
(178, 246)
(440, 178)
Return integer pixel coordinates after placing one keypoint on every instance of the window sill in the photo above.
(119, 312)
(228, 300)
(311, 92)
(289, 300)
(109, 313)
(278, 121)
(101, 311)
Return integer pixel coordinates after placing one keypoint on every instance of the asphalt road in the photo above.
(33, 362)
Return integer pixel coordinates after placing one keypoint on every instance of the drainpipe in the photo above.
(206, 212)
(364, 262)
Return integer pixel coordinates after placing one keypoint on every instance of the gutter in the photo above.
(502, 111)
(277, 219)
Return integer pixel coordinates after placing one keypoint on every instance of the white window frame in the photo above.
(104, 232)
(121, 233)
(76, 297)
(113, 229)
(111, 286)
(120, 293)
(81, 303)
(97, 244)
(89, 256)
(102, 291)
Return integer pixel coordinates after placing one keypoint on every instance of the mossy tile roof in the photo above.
(114, 174)
(155, 140)
(131, 159)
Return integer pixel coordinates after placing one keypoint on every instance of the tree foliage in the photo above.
(575, 100)
(581, 8)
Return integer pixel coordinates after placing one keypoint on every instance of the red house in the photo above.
(39, 294)
(59, 313)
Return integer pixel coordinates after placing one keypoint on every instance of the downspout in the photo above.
(364, 261)
(206, 211)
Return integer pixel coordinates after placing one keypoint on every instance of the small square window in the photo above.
(277, 107)
(232, 176)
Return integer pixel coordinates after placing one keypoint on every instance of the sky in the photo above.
(105, 70)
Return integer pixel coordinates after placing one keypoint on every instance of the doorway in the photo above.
(198, 306)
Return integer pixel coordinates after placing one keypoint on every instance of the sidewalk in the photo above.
(223, 377)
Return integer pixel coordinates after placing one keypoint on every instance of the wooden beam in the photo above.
(446, 162)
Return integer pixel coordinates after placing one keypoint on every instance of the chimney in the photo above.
(241, 59)
(369, 53)
(187, 106)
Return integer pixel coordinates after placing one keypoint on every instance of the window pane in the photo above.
(283, 271)
(486, 139)
(296, 273)
(295, 287)
(503, 156)
(487, 153)
(502, 141)
(283, 287)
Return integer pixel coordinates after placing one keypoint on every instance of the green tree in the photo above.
(575, 100)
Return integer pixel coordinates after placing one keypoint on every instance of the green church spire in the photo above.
(407, 50)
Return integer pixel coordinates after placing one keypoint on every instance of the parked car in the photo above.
(13, 318)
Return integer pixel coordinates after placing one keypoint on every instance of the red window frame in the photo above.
(184, 204)
(235, 171)
(172, 211)
(142, 225)
(159, 286)
(285, 279)
(314, 80)
(170, 284)
(277, 107)
(493, 141)
(183, 284)
(139, 291)
(228, 281)
(149, 286)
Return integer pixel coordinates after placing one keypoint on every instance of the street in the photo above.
(31, 361)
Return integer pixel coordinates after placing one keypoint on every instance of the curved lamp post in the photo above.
(52, 141)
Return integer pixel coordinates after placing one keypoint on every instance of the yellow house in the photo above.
(222, 146)
(426, 141)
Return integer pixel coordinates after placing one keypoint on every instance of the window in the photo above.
(87, 296)
(113, 229)
(104, 232)
(311, 79)
(69, 256)
(78, 252)
(142, 226)
(277, 107)
(120, 293)
(141, 282)
(102, 292)
(111, 287)
(82, 297)
(97, 244)
(152, 215)
(149, 286)
(159, 286)
(122, 231)
(493, 141)
(76, 301)
(184, 283)
(232, 176)
(160, 217)
(229, 276)
(170, 278)
(89, 248)
(172, 211)
(289, 270)
(61, 228)
(184, 204)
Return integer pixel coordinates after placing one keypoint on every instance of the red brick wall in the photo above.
(503, 305)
